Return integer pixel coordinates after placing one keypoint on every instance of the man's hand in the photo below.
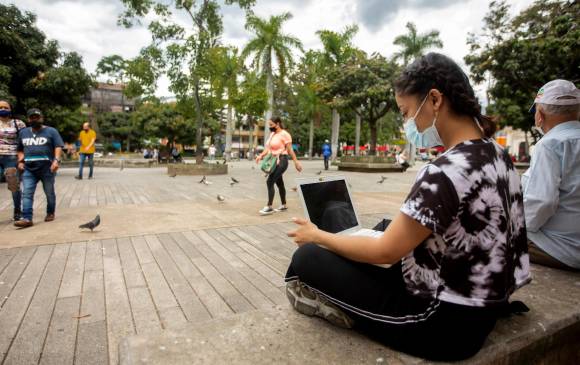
(307, 232)
(21, 166)
(298, 166)
(54, 166)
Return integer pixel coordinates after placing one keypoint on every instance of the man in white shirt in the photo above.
(551, 186)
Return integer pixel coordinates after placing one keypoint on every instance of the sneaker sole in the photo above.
(318, 307)
(266, 213)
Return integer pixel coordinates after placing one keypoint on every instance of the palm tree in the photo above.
(414, 45)
(269, 42)
(338, 49)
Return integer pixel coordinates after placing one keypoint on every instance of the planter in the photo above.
(368, 164)
(195, 169)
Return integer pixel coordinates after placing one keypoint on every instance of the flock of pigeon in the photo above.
(220, 198)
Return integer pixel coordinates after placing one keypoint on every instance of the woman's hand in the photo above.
(258, 158)
(298, 166)
(307, 232)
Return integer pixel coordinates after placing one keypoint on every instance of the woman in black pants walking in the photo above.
(280, 145)
(457, 248)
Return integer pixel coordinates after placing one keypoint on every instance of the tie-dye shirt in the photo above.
(470, 197)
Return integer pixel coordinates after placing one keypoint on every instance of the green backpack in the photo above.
(268, 163)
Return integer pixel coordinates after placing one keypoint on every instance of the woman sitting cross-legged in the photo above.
(457, 247)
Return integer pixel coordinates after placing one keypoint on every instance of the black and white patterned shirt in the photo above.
(470, 197)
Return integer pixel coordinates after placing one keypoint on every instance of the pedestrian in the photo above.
(552, 183)
(87, 139)
(457, 248)
(9, 130)
(279, 145)
(155, 154)
(326, 153)
(39, 151)
(211, 152)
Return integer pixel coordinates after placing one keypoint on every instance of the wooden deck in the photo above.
(72, 303)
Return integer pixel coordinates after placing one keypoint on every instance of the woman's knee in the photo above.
(306, 258)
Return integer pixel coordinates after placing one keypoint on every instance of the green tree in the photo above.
(115, 68)
(181, 52)
(337, 50)
(414, 44)
(516, 56)
(252, 102)
(364, 85)
(34, 73)
(270, 43)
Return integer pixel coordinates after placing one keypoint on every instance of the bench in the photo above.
(548, 334)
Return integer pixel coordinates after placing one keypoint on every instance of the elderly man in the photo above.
(551, 185)
(39, 150)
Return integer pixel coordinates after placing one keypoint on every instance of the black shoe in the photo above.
(17, 216)
(78, 177)
(90, 177)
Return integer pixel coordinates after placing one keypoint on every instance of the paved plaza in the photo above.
(166, 254)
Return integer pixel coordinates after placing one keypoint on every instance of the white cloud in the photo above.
(89, 27)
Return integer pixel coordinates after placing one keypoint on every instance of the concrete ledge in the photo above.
(117, 163)
(368, 164)
(195, 169)
(548, 334)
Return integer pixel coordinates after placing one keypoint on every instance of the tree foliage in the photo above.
(34, 73)
(414, 44)
(516, 56)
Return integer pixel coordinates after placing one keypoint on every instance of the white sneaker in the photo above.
(266, 211)
(308, 302)
(281, 208)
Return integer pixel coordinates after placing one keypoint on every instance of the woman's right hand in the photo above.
(258, 159)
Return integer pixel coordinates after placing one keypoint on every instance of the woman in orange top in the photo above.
(280, 145)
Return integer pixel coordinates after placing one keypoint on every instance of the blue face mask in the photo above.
(5, 113)
(426, 139)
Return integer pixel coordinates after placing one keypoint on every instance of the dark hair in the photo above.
(277, 120)
(436, 71)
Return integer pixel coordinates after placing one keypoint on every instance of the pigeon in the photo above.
(206, 182)
(295, 189)
(382, 180)
(202, 180)
(92, 224)
(221, 198)
(319, 172)
(173, 174)
(234, 180)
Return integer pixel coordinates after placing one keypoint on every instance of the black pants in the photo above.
(325, 163)
(276, 178)
(377, 299)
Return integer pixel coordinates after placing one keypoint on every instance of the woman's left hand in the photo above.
(307, 232)
(298, 166)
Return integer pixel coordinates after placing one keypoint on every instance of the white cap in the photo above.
(557, 92)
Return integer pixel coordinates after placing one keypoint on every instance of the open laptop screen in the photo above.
(329, 205)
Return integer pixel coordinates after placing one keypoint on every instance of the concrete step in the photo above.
(548, 334)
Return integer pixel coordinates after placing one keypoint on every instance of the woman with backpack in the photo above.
(278, 148)
(9, 129)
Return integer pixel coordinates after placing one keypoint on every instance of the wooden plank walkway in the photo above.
(72, 303)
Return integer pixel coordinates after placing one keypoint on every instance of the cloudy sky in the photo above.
(89, 26)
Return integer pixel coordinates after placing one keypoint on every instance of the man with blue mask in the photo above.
(551, 186)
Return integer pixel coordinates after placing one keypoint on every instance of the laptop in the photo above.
(327, 203)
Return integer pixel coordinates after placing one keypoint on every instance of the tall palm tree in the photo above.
(414, 44)
(338, 49)
(270, 43)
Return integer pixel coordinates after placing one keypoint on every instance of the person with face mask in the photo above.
(279, 144)
(552, 183)
(87, 139)
(39, 151)
(9, 129)
(457, 248)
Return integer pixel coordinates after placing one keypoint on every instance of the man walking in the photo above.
(326, 153)
(551, 186)
(39, 151)
(87, 138)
